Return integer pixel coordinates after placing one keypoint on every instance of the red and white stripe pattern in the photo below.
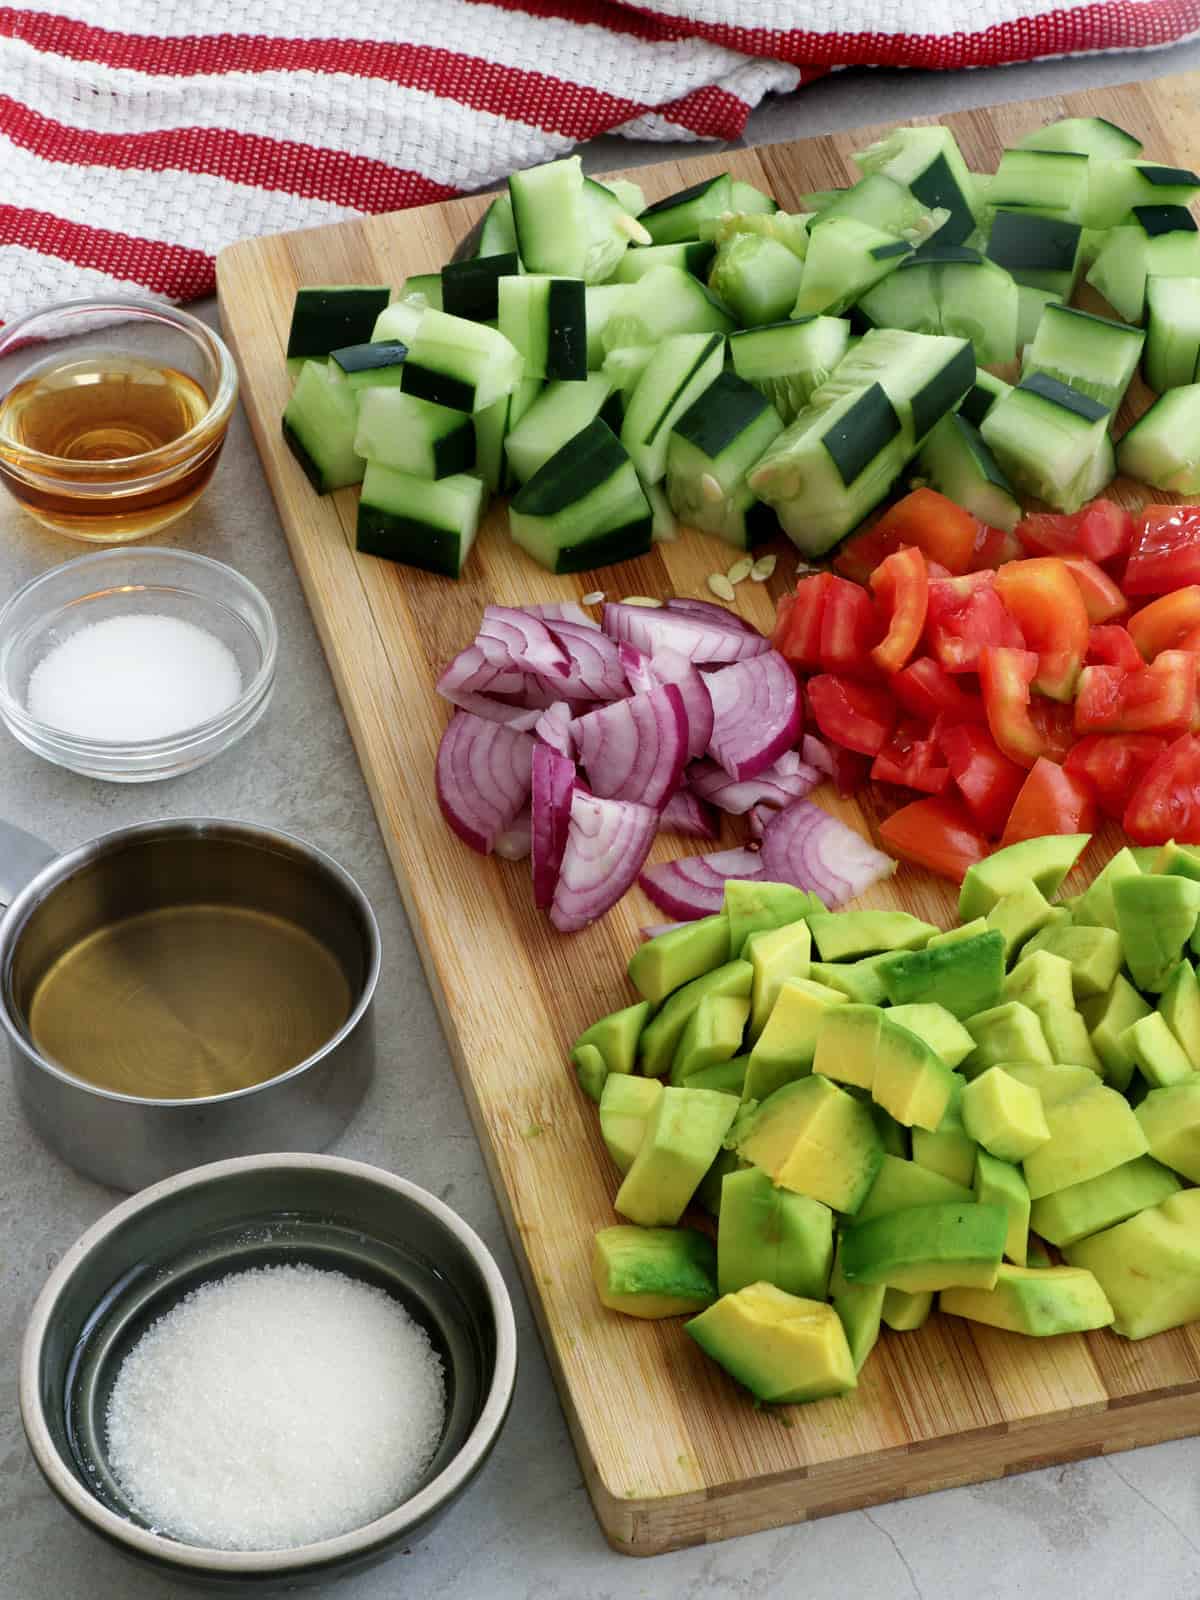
(130, 154)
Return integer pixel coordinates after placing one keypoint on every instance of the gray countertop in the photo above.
(1128, 1524)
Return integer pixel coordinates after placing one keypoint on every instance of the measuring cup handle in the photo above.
(22, 857)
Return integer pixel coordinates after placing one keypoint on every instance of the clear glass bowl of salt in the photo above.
(134, 665)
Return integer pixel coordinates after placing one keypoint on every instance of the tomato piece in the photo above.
(993, 547)
(1045, 600)
(1166, 550)
(797, 634)
(964, 616)
(1166, 622)
(849, 629)
(1109, 645)
(937, 834)
(1114, 763)
(863, 552)
(859, 716)
(901, 588)
(987, 780)
(1048, 533)
(927, 691)
(1102, 531)
(913, 758)
(938, 527)
(1052, 800)
(1101, 596)
(1023, 728)
(1166, 801)
(1160, 698)
(1190, 640)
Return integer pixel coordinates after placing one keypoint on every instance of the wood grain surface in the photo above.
(673, 1453)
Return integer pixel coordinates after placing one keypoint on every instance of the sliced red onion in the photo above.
(562, 611)
(636, 666)
(530, 645)
(786, 780)
(810, 849)
(594, 670)
(635, 749)
(756, 714)
(515, 843)
(607, 842)
(553, 727)
(655, 628)
(815, 753)
(553, 778)
(757, 818)
(685, 814)
(669, 666)
(706, 611)
(470, 680)
(653, 929)
(694, 886)
(483, 778)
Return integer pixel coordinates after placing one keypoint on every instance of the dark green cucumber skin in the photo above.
(885, 252)
(370, 357)
(1156, 220)
(975, 405)
(330, 319)
(870, 424)
(1168, 177)
(455, 452)
(1042, 244)
(566, 347)
(471, 289)
(983, 456)
(937, 186)
(467, 248)
(726, 408)
(930, 404)
(407, 541)
(713, 340)
(581, 465)
(682, 197)
(761, 523)
(312, 471)
(612, 411)
(427, 384)
(934, 254)
(618, 544)
(1061, 394)
(1105, 322)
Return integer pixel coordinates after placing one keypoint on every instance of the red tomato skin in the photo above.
(936, 525)
(1166, 802)
(993, 547)
(912, 759)
(901, 588)
(1101, 596)
(1023, 730)
(857, 715)
(1114, 763)
(1109, 645)
(1102, 532)
(1052, 800)
(1166, 550)
(984, 776)
(797, 634)
(937, 834)
(849, 629)
(1044, 598)
(1165, 623)
(964, 616)
(1160, 698)
(926, 690)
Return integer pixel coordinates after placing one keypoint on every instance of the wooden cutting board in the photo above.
(674, 1454)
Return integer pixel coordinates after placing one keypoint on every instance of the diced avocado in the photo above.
(1170, 1120)
(1145, 855)
(894, 1138)
(1099, 1203)
(683, 1134)
(1009, 1032)
(1156, 1052)
(964, 930)
(904, 1312)
(1004, 1115)
(1018, 915)
(845, 935)
(1045, 861)
(912, 1083)
(727, 1077)
(615, 1037)
(625, 1107)
(782, 1348)
(1094, 954)
(1094, 908)
(775, 954)
(1180, 860)
(860, 981)
(1179, 1007)
(1066, 1036)
(965, 976)
(708, 1190)
(816, 1139)
(661, 1035)
(1108, 1016)
(713, 1034)
(784, 1049)
(1155, 918)
(927, 1247)
(948, 1149)
(999, 1183)
(901, 1185)
(1090, 1133)
(654, 1272)
(848, 1044)
(679, 956)
(1053, 1082)
(1040, 979)
(752, 907)
(939, 1028)
(1040, 1301)
(859, 1305)
(770, 1234)
(591, 1069)
(1149, 1267)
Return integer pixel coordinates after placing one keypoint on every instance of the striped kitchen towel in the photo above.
(138, 139)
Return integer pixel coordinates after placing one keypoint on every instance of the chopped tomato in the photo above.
(1023, 728)
(1044, 598)
(797, 634)
(1102, 599)
(993, 547)
(937, 834)
(901, 586)
(1113, 763)
(1166, 550)
(1166, 802)
(927, 691)
(1165, 623)
(987, 780)
(1160, 698)
(863, 552)
(937, 526)
(913, 759)
(857, 715)
(1109, 645)
(1052, 800)
(849, 629)
(1190, 641)
(966, 615)
(1102, 531)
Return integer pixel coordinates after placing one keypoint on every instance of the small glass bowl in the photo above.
(170, 583)
(113, 500)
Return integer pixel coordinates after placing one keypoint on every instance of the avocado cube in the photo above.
(1018, 915)
(784, 1349)
(1099, 1203)
(1090, 1133)
(1040, 979)
(679, 956)
(1004, 1115)
(1008, 1032)
(784, 1049)
(1107, 1017)
(713, 1034)
(901, 1185)
(1155, 918)
(1055, 1081)
(1179, 1005)
(775, 954)
(964, 930)
(591, 1069)
(814, 1138)
(1157, 1053)
(1145, 855)
(1094, 954)
(654, 1272)
(860, 981)
(708, 1190)
(755, 907)
(615, 1037)
(1067, 1038)
(845, 935)
(625, 1108)
(847, 1044)
(1040, 1301)
(859, 1306)
(912, 1083)
(940, 1029)
(1179, 860)
(904, 1312)
(1045, 861)
(768, 1234)
(661, 1035)
(683, 1134)
(1170, 1120)
(1094, 908)
(927, 1247)
(896, 1141)
(965, 976)
(1149, 1267)
(948, 1150)
(999, 1183)
(727, 1077)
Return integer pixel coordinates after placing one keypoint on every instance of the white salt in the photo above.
(275, 1407)
(134, 677)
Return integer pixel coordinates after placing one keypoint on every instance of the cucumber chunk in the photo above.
(461, 364)
(1047, 438)
(424, 289)
(677, 373)
(493, 235)
(399, 430)
(1172, 353)
(1087, 136)
(713, 445)
(1163, 446)
(1042, 252)
(1052, 183)
(1158, 241)
(331, 316)
(679, 215)
(1095, 355)
(692, 255)
(845, 258)
(550, 218)
(956, 462)
(318, 424)
(982, 396)
(1031, 305)
(602, 302)
(786, 361)
(471, 288)
(756, 278)
(374, 365)
(417, 522)
(546, 320)
(924, 376)
(928, 160)
(399, 322)
(745, 197)
(888, 205)
(584, 507)
(560, 411)
(1118, 187)
(665, 301)
(953, 291)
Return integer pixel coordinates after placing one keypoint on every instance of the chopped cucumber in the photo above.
(418, 522)
(546, 320)
(1042, 252)
(1119, 187)
(679, 215)
(602, 302)
(665, 301)
(956, 462)
(630, 194)
(318, 424)
(923, 376)
(331, 316)
(491, 430)
(1095, 355)
(845, 258)
(786, 361)
(493, 235)
(745, 197)
(1046, 437)
(982, 396)
(1163, 446)
(1087, 136)
(461, 364)
(610, 228)
(1158, 241)
(560, 411)
(928, 160)
(757, 278)
(626, 365)
(374, 365)
(399, 321)
(425, 289)
(1051, 183)
(584, 507)
(471, 288)
(953, 291)
(550, 218)
(712, 448)
(1172, 354)
(889, 205)
(416, 436)
(693, 255)
(1031, 306)
(790, 229)
(677, 373)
